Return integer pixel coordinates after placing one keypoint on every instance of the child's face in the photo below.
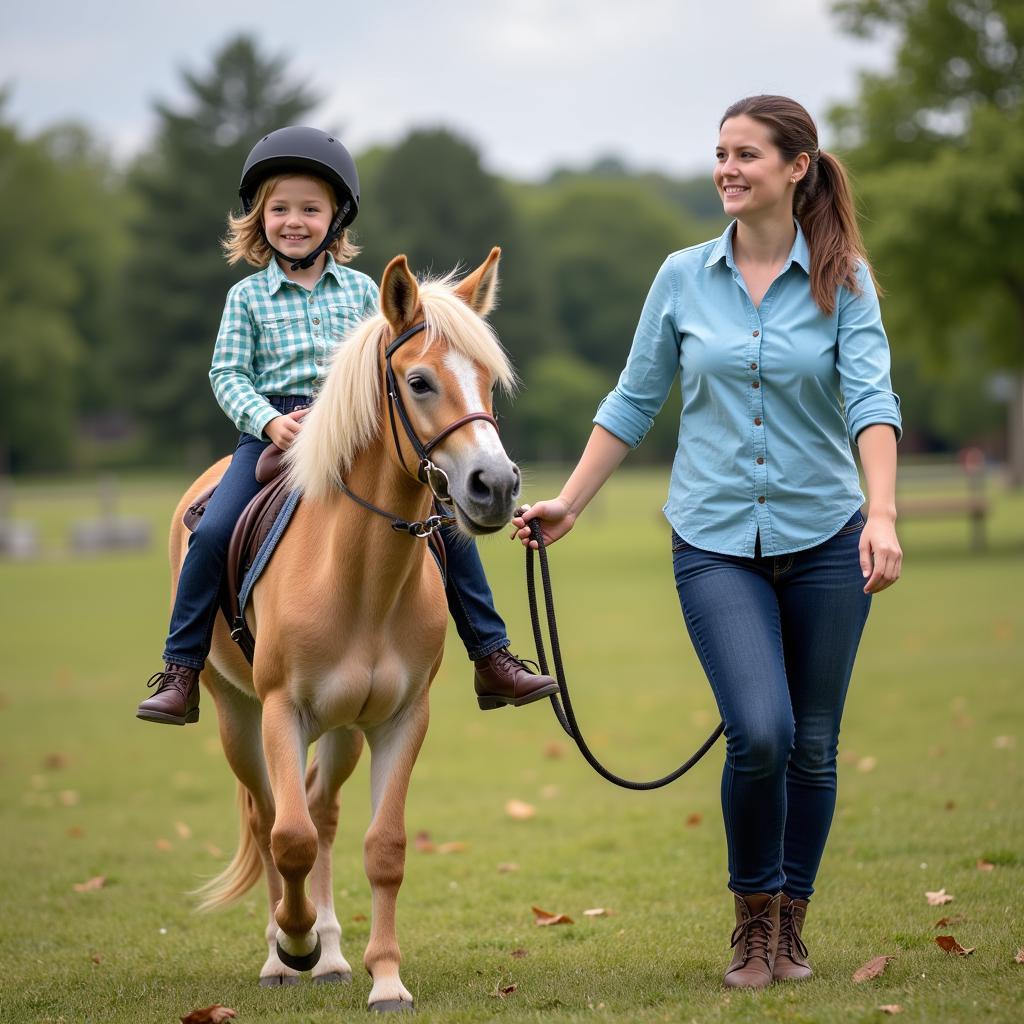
(297, 214)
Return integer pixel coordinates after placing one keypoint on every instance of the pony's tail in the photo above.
(245, 868)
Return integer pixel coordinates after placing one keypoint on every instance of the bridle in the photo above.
(427, 472)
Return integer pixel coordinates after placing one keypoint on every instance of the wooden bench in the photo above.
(974, 504)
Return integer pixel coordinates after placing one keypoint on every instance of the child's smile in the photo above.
(297, 214)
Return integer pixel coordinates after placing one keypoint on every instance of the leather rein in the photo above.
(427, 472)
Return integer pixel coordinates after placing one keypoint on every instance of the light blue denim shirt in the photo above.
(772, 395)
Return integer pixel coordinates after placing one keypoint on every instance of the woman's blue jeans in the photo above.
(196, 603)
(777, 637)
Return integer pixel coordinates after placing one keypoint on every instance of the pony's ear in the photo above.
(399, 294)
(479, 290)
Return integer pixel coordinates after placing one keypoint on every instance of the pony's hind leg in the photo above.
(393, 748)
(336, 755)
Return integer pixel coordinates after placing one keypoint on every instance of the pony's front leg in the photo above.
(393, 749)
(293, 839)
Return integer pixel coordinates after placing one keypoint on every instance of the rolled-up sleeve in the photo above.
(231, 372)
(863, 360)
(629, 410)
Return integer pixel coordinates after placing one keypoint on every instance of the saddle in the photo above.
(256, 534)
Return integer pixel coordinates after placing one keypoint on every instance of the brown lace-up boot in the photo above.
(501, 678)
(791, 959)
(754, 940)
(176, 701)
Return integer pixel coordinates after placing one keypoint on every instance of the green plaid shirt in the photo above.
(276, 337)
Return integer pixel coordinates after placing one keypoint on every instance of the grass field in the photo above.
(930, 781)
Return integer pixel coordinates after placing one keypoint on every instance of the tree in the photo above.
(177, 278)
(939, 146)
(60, 233)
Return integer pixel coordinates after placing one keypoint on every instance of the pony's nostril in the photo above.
(479, 489)
(517, 480)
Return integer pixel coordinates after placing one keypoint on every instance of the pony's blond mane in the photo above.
(348, 412)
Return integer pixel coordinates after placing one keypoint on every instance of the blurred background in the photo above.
(579, 139)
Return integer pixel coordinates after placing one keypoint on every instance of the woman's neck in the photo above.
(308, 277)
(766, 240)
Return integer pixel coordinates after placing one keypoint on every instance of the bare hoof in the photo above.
(392, 1006)
(300, 963)
(333, 978)
(278, 980)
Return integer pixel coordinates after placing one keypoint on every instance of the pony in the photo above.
(350, 613)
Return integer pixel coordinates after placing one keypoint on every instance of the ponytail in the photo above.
(823, 203)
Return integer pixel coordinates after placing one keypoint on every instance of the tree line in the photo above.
(112, 280)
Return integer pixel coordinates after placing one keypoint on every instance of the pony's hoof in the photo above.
(278, 980)
(300, 963)
(334, 978)
(392, 1006)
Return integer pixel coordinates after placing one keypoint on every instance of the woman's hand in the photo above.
(283, 430)
(555, 518)
(881, 557)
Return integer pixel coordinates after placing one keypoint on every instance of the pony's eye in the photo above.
(419, 385)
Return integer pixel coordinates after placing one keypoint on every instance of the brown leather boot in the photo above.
(754, 940)
(791, 958)
(176, 701)
(501, 678)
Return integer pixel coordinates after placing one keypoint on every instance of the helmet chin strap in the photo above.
(332, 233)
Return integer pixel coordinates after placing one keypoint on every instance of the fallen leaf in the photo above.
(984, 865)
(520, 810)
(891, 1008)
(550, 792)
(209, 1015)
(950, 805)
(693, 820)
(945, 922)
(867, 764)
(554, 750)
(1019, 958)
(454, 847)
(68, 797)
(164, 844)
(545, 917)
(92, 885)
(938, 899)
(55, 762)
(596, 912)
(1004, 742)
(518, 954)
(507, 867)
(183, 830)
(213, 849)
(96, 958)
(872, 969)
(76, 832)
(423, 842)
(950, 945)
(504, 991)
(358, 917)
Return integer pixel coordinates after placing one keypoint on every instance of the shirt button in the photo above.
(311, 300)
(757, 421)
(760, 460)
(760, 500)
(757, 334)
(316, 319)
(753, 366)
(757, 383)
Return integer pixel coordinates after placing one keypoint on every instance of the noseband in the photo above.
(427, 473)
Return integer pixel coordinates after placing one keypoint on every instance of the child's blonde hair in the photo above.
(245, 239)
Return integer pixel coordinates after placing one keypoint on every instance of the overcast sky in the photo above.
(534, 83)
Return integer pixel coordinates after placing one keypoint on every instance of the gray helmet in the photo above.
(309, 150)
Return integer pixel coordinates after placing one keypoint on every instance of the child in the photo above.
(299, 192)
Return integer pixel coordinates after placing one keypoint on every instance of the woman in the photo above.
(775, 331)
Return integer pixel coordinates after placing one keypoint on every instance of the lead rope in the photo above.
(566, 717)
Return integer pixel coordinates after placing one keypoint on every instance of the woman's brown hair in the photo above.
(245, 239)
(823, 203)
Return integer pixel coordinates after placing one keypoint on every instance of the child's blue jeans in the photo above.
(196, 603)
(777, 638)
